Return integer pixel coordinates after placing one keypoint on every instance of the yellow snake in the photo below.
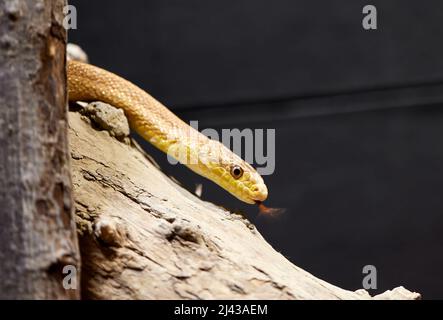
(159, 126)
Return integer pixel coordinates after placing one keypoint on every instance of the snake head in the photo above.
(245, 183)
(232, 173)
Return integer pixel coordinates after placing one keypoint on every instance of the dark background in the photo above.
(358, 117)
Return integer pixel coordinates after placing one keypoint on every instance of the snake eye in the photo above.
(236, 172)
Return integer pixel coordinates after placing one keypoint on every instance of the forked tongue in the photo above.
(273, 212)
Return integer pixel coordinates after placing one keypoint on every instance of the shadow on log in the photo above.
(142, 236)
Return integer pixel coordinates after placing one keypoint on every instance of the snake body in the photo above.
(162, 128)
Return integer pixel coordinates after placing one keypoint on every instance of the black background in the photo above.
(358, 117)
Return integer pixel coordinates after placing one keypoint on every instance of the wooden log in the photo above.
(143, 236)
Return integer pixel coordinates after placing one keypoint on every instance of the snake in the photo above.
(159, 126)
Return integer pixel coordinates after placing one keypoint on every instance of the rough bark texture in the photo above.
(142, 236)
(37, 230)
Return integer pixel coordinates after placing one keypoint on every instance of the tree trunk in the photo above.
(37, 233)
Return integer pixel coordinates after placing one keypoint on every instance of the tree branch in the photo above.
(143, 236)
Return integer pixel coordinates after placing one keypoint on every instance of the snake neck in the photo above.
(159, 126)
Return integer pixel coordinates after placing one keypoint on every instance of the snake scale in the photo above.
(162, 128)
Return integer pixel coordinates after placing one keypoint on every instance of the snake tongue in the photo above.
(269, 211)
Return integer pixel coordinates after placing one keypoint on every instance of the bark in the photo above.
(142, 236)
(37, 229)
